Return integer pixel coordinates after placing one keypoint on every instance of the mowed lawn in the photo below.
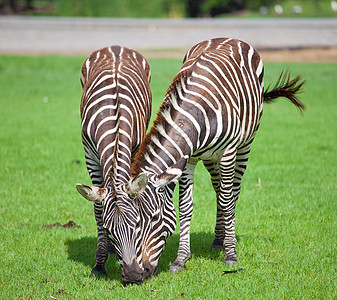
(285, 217)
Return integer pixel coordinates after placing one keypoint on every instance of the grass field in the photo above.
(286, 214)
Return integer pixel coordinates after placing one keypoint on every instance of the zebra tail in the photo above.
(287, 88)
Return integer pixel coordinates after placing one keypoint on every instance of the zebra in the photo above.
(115, 113)
(211, 112)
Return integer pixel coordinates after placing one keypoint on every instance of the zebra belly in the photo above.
(216, 150)
(209, 155)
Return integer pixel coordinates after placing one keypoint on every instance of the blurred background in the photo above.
(171, 8)
(287, 208)
(170, 26)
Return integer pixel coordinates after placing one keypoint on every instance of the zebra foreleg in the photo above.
(185, 215)
(102, 238)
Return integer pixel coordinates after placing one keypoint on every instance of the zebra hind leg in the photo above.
(214, 171)
(241, 159)
(226, 204)
(240, 167)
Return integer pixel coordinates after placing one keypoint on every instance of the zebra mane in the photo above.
(139, 157)
(183, 73)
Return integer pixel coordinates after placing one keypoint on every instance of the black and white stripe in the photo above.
(115, 113)
(211, 112)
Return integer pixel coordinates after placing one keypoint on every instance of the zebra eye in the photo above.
(161, 189)
(137, 225)
(155, 217)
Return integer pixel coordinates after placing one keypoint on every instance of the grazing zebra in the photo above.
(115, 113)
(211, 112)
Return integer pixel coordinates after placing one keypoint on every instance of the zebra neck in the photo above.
(173, 137)
(159, 151)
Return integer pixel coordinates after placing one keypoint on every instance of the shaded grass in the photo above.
(286, 214)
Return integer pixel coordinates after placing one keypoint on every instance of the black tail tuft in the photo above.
(287, 88)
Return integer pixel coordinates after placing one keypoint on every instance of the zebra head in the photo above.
(139, 216)
(157, 217)
(121, 222)
(153, 194)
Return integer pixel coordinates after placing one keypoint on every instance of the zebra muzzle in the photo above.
(132, 273)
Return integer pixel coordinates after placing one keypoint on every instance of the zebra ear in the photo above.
(137, 185)
(172, 174)
(92, 193)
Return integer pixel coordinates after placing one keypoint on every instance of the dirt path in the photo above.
(301, 55)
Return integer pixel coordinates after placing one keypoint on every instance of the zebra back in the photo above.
(222, 80)
(237, 70)
(115, 110)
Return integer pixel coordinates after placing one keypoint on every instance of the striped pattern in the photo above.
(115, 113)
(211, 112)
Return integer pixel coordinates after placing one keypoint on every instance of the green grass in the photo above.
(108, 8)
(286, 214)
(310, 9)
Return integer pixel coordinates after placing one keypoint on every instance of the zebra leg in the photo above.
(226, 203)
(185, 214)
(95, 172)
(102, 238)
(240, 167)
(213, 169)
(218, 243)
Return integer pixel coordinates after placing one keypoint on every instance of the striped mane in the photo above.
(189, 62)
(139, 157)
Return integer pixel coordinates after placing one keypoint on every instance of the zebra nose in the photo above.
(132, 273)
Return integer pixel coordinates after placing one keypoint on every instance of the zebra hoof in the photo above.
(98, 271)
(176, 267)
(230, 261)
(217, 245)
(179, 263)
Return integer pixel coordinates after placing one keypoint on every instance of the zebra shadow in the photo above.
(83, 251)
(200, 243)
